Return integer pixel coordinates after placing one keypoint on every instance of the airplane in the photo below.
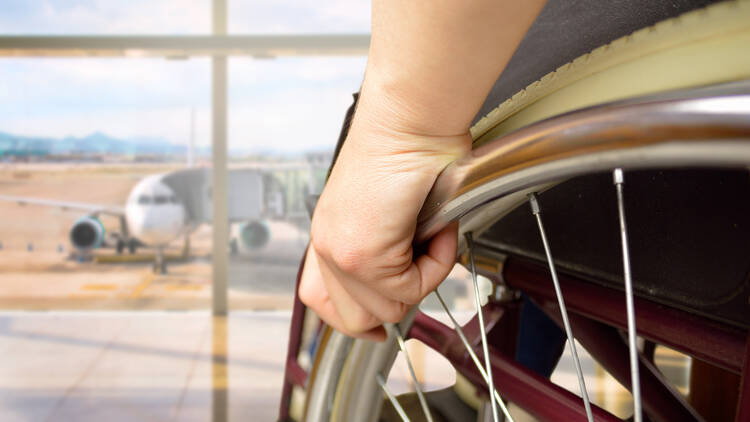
(163, 207)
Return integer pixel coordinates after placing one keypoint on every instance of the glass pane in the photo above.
(88, 144)
(299, 16)
(285, 116)
(105, 17)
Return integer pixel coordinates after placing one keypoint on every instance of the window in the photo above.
(298, 16)
(69, 17)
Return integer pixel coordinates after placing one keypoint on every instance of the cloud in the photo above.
(106, 17)
(181, 16)
(303, 119)
(299, 16)
(289, 103)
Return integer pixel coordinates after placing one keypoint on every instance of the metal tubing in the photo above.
(293, 372)
(705, 126)
(535, 210)
(711, 341)
(417, 387)
(743, 407)
(662, 402)
(482, 327)
(474, 357)
(392, 398)
(518, 384)
(619, 180)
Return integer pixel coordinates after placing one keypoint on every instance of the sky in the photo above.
(285, 104)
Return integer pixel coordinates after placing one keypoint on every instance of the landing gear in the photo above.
(122, 243)
(234, 247)
(160, 264)
(186, 247)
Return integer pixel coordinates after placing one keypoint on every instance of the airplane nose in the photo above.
(142, 228)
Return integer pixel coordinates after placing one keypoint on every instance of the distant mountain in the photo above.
(99, 143)
(95, 143)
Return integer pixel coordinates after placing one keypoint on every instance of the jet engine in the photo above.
(87, 233)
(254, 235)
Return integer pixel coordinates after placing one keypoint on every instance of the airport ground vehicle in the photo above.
(670, 106)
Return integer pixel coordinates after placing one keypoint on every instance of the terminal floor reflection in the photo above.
(144, 366)
(189, 366)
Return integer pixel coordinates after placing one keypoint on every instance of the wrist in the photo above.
(391, 104)
(380, 129)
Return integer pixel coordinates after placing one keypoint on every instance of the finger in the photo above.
(313, 293)
(382, 307)
(360, 306)
(354, 318)
(426, 272)
(437, 263)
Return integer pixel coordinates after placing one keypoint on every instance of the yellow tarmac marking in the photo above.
(143, 284)
(111, 259)
(183, 287)
(83, 296)
(99, 287)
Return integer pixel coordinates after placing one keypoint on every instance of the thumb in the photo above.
(435, 265)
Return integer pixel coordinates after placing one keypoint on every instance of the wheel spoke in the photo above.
(482, 329)
(392, 398)
(619, 181)
(420, 394)
(536, 211)
(473, 355)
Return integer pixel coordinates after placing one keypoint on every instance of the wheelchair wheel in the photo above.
(672, 98)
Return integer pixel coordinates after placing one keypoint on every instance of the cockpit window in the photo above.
(157, 200)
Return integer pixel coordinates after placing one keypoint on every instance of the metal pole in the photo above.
(220, 197)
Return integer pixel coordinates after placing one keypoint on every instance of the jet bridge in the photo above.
(253, 194)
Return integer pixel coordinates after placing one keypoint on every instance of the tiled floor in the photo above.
(188, 366)
(141, 366)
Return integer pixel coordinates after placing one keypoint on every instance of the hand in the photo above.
(429, 67)
(360, 269)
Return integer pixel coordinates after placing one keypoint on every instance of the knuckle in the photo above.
(349, 259)
(309, 290)
(360, 322)
(347, 256)
(412, 297)
(407, 288)
(306, 295)
(395, 313)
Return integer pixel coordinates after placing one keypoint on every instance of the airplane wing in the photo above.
(66, 205)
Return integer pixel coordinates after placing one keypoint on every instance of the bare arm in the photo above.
(431, 64)
(434, 61)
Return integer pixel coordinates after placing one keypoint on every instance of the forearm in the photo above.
(430, 66)
(432, 62)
